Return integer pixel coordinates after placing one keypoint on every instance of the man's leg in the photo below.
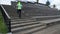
(19, 13)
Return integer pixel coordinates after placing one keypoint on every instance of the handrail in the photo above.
(5, 12)
(7, 18)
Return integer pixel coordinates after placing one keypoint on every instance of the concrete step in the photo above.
(32, 30)
(50, 21)
(45, 22)
(15, 17)
(22, 19)
(19, 22)
(46, 16)
(25, 27)
(24, 24)
(40, 18)
(37, 18)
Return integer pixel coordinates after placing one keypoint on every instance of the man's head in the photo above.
(18, 1)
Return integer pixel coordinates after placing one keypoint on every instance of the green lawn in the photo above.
(3, 28)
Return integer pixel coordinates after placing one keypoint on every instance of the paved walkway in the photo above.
(51, 30)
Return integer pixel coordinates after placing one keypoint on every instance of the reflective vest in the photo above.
(19, 5)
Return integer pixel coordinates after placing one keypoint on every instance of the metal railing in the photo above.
(6, 17)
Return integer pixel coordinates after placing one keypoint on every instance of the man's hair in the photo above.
(18, 1)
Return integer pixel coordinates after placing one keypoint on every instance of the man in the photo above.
(19, 7)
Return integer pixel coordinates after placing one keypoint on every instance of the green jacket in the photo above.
(19, 5)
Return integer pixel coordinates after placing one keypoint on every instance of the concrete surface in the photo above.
(50, 30)
(55, 29)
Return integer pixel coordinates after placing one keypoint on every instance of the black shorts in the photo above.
(18, 11)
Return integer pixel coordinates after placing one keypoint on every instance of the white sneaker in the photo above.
(9, 33)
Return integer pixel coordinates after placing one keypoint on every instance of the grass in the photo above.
(3, 28)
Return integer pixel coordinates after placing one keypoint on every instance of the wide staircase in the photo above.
(25, 25)
(33, 9)
(29, 24)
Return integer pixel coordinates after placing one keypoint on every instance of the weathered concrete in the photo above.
(50, 30)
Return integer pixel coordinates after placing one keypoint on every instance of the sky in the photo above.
(56, 2)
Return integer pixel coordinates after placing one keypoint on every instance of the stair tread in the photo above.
(23, 24)
(23, 21)
(25, 27)
(35, 19)
(46, 16)
(46, 21)
(49, 21)
(31, 30)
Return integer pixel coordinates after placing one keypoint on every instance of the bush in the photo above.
(3, 28)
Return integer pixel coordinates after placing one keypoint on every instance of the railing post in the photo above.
(9, 25)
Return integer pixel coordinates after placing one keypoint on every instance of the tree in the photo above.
(47, 3)
(37, 1)
(54, 6)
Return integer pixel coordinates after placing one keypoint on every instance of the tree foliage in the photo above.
(54, 5)
(47, 3)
